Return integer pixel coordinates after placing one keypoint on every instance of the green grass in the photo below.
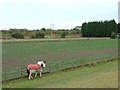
(58, 54)
(104, 75)
(15, 50)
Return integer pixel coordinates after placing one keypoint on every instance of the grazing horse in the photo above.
(34, 68)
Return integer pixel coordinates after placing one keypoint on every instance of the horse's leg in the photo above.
(29, 75)
(36, 74)
(32, 71)
(40, 74)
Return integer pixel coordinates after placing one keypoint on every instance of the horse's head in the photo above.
(41, 63)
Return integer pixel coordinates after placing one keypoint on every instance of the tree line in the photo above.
(39, 33)
(118, 27)
(91, 29)
(99, 28)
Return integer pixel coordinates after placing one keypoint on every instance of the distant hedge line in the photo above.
(90, 29)
(99, 28)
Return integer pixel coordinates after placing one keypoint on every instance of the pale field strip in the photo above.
(60, 39)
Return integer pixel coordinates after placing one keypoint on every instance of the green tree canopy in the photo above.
(99, 28)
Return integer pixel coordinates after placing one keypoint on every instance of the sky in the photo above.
(64, 14)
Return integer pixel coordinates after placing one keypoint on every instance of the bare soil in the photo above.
(12, 63)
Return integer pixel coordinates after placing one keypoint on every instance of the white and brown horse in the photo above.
(35, 68)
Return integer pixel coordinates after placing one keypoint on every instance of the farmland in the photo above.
(23, 53)
(58, 54)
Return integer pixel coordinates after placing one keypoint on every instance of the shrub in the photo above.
(17, 35)
(113, 35)
(32, 35)
(62, 35)
(38, 35)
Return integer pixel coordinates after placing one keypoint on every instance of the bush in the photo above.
(17, 35)
(32, 35)
(62, 35)
(113, 35)
(38, 35)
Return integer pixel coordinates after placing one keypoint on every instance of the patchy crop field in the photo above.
(58, 54)
(19, 54)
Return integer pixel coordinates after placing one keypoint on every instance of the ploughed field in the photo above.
(19, 54)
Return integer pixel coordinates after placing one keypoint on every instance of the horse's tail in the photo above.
(28, 71)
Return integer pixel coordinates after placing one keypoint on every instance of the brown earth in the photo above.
(12, 63)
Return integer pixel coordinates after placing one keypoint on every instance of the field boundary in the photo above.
(22, 70)
(59, 39)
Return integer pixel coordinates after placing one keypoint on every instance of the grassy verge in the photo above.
(103, 75)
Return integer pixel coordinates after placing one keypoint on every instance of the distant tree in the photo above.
(12, 30)
(17, 35)
(63, 34)
(48, 29)
(43, 29)
(61, 29)
(38, 35)
(113, 35)
(37, 30)
(77, 28)
(84, 29)
(20, 30)
(118, 28)
(99, 29)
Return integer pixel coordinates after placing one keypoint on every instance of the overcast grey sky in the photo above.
(35, 14)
